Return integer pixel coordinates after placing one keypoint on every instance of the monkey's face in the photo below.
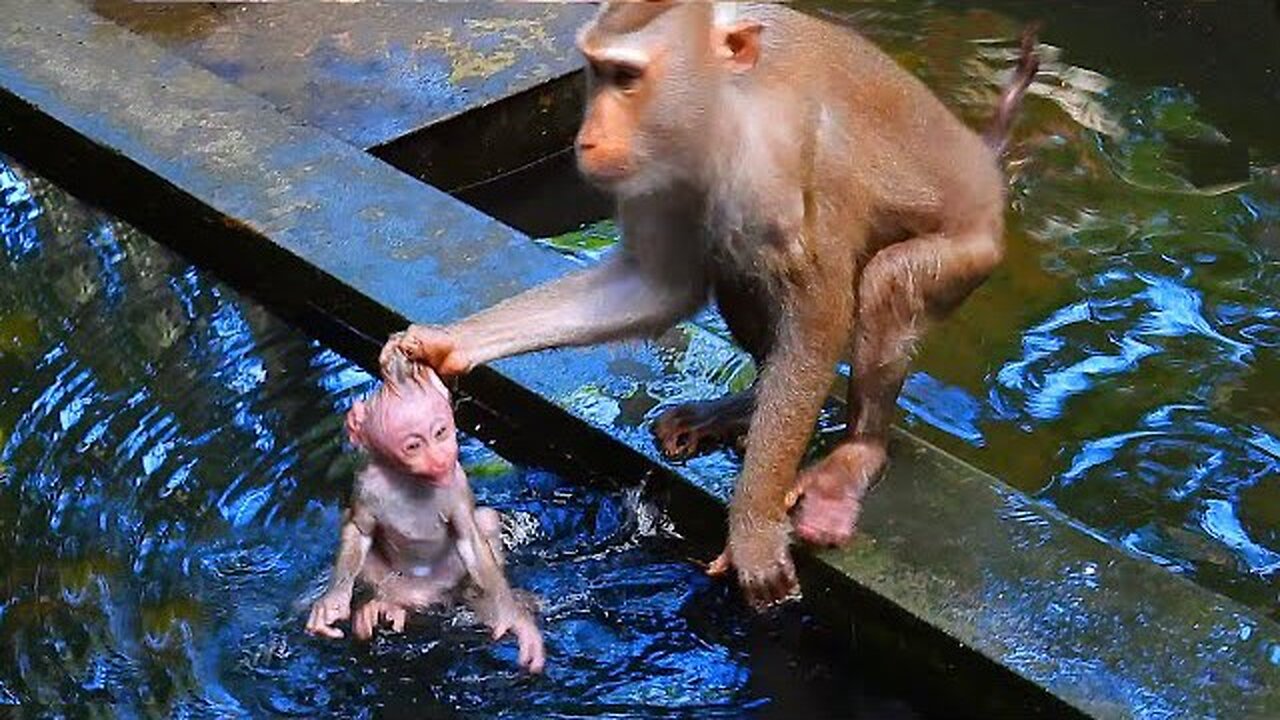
(648, 88)
(612, 144)
(657, 73)
(410, 430)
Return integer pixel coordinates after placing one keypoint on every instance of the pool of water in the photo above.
(171, 476)
(1124, 364)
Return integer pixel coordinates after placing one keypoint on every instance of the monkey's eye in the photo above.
(627, 77)
(413, 446)
(441, 433)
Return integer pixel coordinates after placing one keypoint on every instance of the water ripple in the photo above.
(171, 473)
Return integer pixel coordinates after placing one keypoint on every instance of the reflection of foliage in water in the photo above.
(586, 244)
(171, 500)
(1123, 364)
(1140, 297)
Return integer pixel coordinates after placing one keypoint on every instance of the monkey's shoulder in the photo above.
(376, 490)
(368, 483)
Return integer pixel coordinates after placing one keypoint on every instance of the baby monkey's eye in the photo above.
(441, 433)
(413, 446)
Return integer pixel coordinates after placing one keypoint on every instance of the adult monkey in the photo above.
(821, 194)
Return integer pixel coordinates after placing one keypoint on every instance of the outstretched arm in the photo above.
(612, 301)
(630, 294)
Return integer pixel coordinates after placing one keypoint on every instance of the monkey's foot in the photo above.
(832, 492)
(762, 557)
(693, 428)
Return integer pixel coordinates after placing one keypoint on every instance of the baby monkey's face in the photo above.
(408, 427)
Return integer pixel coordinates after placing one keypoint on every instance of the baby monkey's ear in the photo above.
(355, 423)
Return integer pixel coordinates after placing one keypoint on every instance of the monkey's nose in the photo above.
(439, 463)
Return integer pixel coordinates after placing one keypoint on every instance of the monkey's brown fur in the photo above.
(825, 198)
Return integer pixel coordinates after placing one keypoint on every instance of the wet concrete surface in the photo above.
(996, 593)
(451, 93)
(368, 72)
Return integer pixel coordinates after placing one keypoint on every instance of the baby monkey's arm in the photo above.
(480, 563)
(335, 604)
(496, 606)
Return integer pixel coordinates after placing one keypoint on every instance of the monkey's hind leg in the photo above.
(395, 597)
(903, 288)
(687, 430)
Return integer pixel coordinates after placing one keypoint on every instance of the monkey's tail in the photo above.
(997, 132)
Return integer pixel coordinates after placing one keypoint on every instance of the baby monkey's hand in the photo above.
(330, 609)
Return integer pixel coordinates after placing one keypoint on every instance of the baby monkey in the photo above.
(413, 533)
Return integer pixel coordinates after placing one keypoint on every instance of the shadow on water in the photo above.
(1124, 364)
(170, 482)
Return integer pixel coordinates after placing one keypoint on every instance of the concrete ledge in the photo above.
(379, 74)
(991, 602)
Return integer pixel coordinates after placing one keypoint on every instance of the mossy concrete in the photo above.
(992, 602)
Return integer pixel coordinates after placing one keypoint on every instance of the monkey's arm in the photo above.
(352, 551)
(615, 300)
(477, 557)
(496, 606)
(620, 298)
(353, 548)
(812, 333)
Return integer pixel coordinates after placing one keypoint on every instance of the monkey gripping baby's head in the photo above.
(406, 425)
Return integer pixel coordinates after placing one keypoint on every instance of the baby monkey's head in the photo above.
(407, 423)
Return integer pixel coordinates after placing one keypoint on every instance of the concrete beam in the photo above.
(993, 602)
(378, 75)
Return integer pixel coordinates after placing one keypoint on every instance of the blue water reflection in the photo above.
(1154, 374)
(170, 485)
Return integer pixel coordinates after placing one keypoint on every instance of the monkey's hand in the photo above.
(331, 608)
(532, 655)
(512, 619)
(435, 346)
(760, 552)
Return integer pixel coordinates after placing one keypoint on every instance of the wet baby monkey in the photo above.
(413, 534)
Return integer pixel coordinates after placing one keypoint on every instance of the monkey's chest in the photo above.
(405, 536)
(746, 304)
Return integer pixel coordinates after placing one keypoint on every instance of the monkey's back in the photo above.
(910, 153)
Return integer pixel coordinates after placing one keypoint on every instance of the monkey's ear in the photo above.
(355, 423)
(738, 44)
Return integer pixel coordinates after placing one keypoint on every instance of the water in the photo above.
(1123, 364)
(171, 477)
